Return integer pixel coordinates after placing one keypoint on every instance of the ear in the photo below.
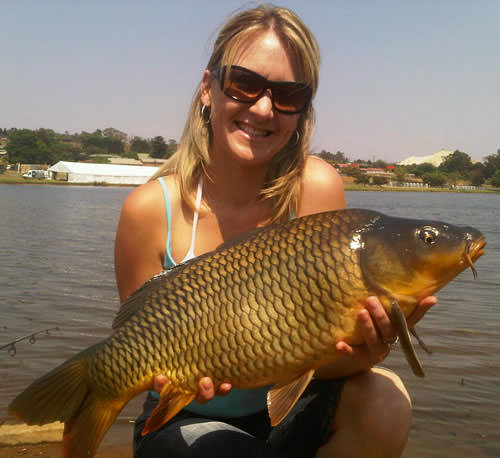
(205, 96)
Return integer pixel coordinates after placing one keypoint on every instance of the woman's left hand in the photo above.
(378, 332)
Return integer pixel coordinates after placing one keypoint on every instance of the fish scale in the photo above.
(266, 308)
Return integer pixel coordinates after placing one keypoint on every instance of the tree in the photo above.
(31, 147)
(158, 147)
(491, 164)
(380, 164)
(361, 178)
(115, 145)
(495, 179)
(419, 169)
(457, 162)
(110, 132)
(477, 174)
(400, 174)
(338, 158)
(171, 147)
(434, 179)
(140, 145)
(379, 181)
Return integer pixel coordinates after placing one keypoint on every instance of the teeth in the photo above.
(253, 131)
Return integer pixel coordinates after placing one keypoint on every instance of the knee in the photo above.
(380, 405)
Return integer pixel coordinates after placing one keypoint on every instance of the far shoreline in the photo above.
(9, 179)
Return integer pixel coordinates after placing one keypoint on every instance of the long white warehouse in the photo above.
(83, 172)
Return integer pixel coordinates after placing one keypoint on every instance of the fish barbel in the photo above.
(264, 309)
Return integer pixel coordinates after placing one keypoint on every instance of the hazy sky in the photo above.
(398, 78)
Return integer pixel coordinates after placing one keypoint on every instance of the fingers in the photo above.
(159, 382)
(423, 306)
(380, 319)
(206, 390)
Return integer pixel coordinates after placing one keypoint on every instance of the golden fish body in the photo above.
(266, 308)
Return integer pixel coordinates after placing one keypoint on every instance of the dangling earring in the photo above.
(204, 115)
(297, 137)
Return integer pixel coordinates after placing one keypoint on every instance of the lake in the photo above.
(56, 270)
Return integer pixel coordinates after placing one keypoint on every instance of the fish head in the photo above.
(411, 259)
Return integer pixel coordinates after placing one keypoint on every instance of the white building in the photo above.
(435, 159)
(83, 172)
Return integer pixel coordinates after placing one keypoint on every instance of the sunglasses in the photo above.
(246, 86)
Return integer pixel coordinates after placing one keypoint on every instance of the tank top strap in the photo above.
(168, 261)
(199, 193)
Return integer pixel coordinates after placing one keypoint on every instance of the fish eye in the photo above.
(428, 235)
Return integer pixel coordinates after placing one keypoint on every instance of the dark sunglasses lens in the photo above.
(290, 97)
(244, 86)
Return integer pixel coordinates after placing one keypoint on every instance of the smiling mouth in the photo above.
(252, 131)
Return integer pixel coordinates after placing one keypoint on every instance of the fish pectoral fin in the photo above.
(399, 321)
(420, 341)
(282, 397)
(172, 400)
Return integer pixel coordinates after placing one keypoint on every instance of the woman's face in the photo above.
(251, 134)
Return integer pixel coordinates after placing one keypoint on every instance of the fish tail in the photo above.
(84, 432)
(64, 394)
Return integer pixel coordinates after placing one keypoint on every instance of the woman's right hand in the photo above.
(206, 390)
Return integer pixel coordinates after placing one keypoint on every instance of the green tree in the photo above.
(140, 145)
(31, 147)
(419, 169)
(158, 147)
(491, 164)
(379, 181)
(477, 174)
(115, 145)
(400, 174)
(380, 164)
(434, 179)
(457, 162)
(110, 132)
(171, 147)
(495, 179)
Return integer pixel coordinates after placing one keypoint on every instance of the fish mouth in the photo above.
(473, 251)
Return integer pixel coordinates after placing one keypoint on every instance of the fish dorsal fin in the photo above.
(135, 302)
(171, 402)
(282, 397)
(399, 321)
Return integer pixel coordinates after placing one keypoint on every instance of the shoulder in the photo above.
(140, 238)
(146, 200)
(322, 188)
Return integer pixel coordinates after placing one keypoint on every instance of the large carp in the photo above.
(267, 308)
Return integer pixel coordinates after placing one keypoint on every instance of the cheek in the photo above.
(288, 125)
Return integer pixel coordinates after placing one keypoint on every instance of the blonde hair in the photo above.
(281, 186)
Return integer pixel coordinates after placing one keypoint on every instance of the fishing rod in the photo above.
(30, 337)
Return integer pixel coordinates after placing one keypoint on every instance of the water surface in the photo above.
(56, 269)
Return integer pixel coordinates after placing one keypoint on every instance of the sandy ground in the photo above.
(22, 442)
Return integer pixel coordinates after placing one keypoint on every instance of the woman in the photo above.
(242, 163)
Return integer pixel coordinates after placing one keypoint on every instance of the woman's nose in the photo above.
(264, 105)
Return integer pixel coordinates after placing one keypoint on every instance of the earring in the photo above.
(204, 115)
(297, 137)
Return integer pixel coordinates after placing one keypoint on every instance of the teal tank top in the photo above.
(237, 403)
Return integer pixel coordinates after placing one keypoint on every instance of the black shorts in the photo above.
(306, 428)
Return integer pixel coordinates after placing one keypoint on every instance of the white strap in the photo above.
(190, 254)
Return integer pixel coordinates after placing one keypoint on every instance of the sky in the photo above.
(398, 78)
